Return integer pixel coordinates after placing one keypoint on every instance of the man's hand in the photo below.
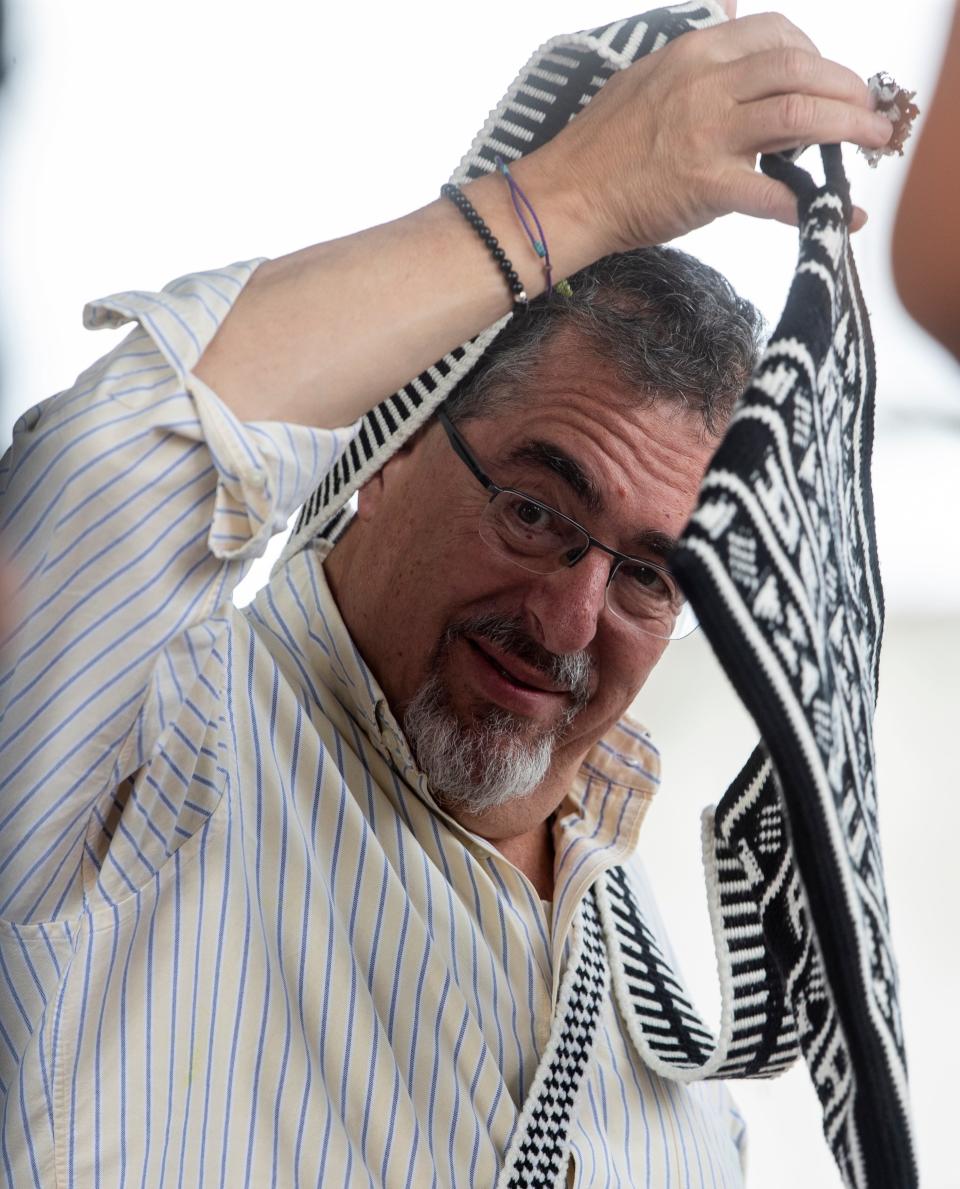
(672, 142)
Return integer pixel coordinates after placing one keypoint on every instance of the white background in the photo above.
(145, 140)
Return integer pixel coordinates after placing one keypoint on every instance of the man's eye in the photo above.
(652, 582)
(525, 524)
(531, 515)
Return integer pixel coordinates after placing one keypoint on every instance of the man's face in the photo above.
(528, 667)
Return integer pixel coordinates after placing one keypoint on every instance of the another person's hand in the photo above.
(671, 142)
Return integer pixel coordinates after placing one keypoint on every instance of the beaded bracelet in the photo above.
(467, 209)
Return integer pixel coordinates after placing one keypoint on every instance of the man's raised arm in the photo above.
(319, 336)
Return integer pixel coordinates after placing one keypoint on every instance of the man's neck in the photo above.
(532, 853)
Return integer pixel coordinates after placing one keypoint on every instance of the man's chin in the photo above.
(477, 758)
(499, 728)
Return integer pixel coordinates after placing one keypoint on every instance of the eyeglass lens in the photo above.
(537, 538)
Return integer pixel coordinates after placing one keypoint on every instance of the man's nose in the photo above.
(567, 604)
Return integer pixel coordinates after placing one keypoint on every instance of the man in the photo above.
(292, 895)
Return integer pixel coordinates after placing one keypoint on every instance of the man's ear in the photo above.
(379, 487)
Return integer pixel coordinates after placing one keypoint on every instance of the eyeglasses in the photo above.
(536, 537)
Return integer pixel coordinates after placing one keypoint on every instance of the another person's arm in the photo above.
(926, 239)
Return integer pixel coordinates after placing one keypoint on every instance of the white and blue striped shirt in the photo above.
(239, 943)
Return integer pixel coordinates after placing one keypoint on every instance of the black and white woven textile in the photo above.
(539, 1152)
(779, 561)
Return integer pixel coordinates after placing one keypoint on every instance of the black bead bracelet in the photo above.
(469, 212)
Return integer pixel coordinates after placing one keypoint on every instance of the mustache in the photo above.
(571, 670)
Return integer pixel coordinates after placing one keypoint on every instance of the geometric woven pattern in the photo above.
(539, 1149)
(757, 1034)
(750, 827)
(779, 561)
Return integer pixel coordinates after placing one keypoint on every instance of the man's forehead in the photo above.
(543, 453)
(574, 426)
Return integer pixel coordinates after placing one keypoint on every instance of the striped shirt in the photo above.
(239, 942)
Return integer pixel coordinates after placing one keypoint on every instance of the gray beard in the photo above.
(494, 760)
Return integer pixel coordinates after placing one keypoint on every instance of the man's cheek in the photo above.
(613, 698)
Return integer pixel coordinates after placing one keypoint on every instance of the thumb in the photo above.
(768, 199)
(763, 197)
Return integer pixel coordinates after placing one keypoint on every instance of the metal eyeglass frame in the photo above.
(462, 451)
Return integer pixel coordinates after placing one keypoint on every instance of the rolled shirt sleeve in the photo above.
(131, 505)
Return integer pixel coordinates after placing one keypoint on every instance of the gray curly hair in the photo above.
(672, 326)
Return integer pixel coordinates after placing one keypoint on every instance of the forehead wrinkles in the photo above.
(623, 438)
(620, 451)
(573, 388)
(551, 458)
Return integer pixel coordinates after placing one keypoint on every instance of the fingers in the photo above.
(790, 69)
(695, 116)
(756, 194)
(785, 121)
(752, 193)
